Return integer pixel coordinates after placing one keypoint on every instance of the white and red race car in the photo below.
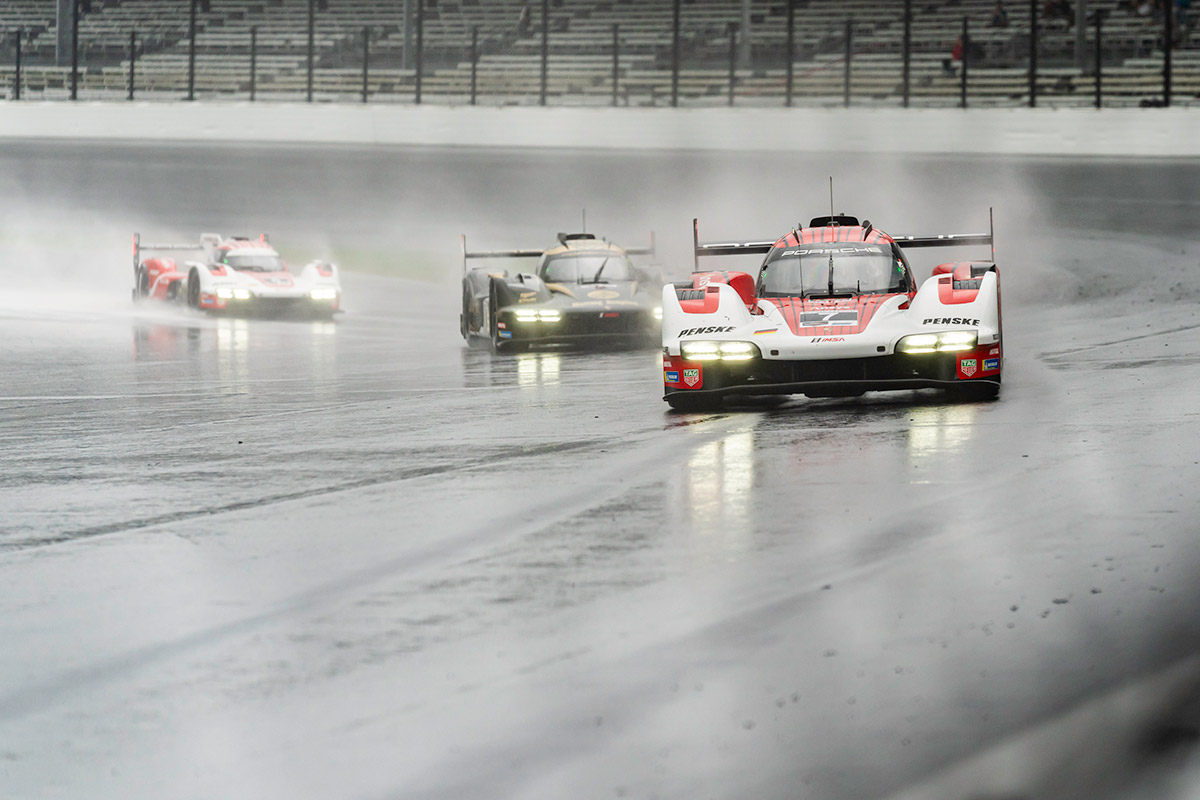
(235, 275)
(835, 311)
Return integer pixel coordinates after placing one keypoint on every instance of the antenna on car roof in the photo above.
(831, 214)
(584, 228)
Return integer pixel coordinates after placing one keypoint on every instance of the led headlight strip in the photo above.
(538, 315)
(719, 351)
(945, 342)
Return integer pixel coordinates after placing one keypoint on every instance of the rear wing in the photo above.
(207, 240)
(562, 237)
(764, 246)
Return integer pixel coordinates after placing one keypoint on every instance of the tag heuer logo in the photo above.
(691, 376)
(968, 366)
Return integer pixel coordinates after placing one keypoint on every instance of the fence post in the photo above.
(906, 56)
(545, 49)
(474, 63)
(420, 50)
(75, 49)
(132, 60)
(1168, 45)
(675, 54)
(253, 61)
(1033, 45)
(17, 76)
(733, 28)
(1099, 62)
(312, 45)
(191, 76)
(366, 61)
(849, 54)
(966, 59)
(616, 48)
(790, 51)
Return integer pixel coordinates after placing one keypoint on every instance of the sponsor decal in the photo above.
(822, 339)
(768, 330)
(528, 296)
(699, 331)
(671, 376)
(950, 321)
(691, 376)
(825, 251)
(991, 364)
(815, 319)
(502, 325)
(505, 334)
(995, 351)
(968, 365)
(609, 314)
(603, 294)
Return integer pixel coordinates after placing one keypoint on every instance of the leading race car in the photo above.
(835, 311)
(584, 291)
(237, 275)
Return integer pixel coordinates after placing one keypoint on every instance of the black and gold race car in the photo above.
(584, 291)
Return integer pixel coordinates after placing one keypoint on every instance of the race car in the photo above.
(235, 275)
(584, 291)
(835, 311)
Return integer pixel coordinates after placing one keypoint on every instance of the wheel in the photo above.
(464, 319)
(143, 283)
(498, 344)
(692, 402)
(193, 290)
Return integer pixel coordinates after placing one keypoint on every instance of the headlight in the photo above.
(323, 294)
(241, 294)
(658, 312)
(722, 351)
(536, 315)
(946, 342)
(224, 294)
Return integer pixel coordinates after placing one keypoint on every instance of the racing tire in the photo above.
(193, 290)
(694, 403)
(143, 284)
(498, 345)
(464, 319)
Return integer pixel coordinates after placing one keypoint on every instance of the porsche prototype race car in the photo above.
(235, 275)
(584, 291)
(835, 311)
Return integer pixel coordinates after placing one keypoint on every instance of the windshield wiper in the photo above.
(596, 277)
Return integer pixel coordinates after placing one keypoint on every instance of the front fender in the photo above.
(714, 310)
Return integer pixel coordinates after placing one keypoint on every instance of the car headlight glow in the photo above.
(944, 342)
(323, 294)
(722, 351)
(658, 312)
(241, 294)
(224, 294)
(538, 315)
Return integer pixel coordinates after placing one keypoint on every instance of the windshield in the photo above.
(255, 263)
(857, 269)
(589, 268)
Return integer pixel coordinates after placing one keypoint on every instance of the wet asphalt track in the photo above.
(260, 559)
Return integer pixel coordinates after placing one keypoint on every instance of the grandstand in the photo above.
(580, 52)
